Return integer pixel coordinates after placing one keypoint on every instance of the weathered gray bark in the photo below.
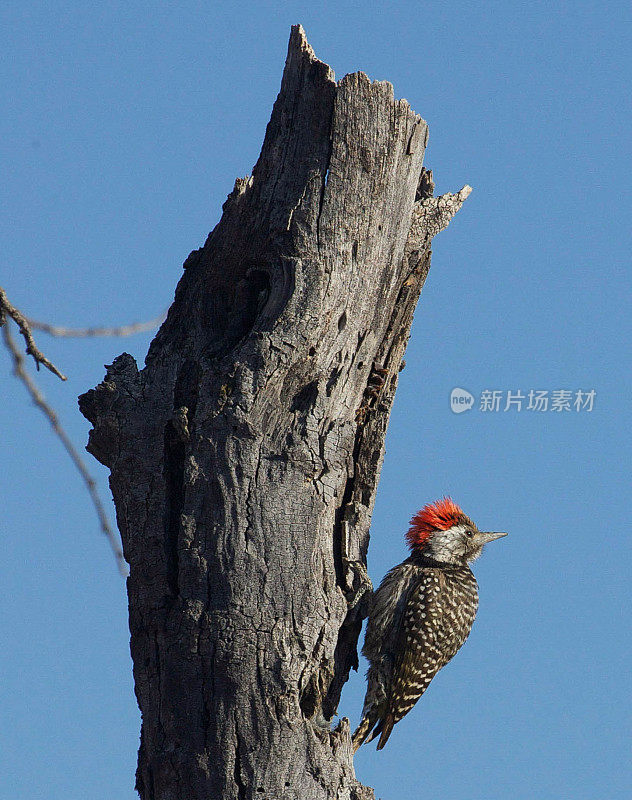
(244, 457)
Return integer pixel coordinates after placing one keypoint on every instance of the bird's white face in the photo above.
(450, 546)
(459, 544)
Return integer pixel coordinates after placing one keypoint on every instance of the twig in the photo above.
(40, 402)
(23, 324)
(122, 330)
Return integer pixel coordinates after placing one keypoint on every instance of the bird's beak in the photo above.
(483, 537)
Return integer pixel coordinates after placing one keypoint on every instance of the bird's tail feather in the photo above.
(363, 730)
(385, 728)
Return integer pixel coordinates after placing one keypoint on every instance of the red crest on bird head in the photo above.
(440, 515)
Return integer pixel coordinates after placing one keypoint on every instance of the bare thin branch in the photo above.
(82, 333)
(40, 402)
(23, 324)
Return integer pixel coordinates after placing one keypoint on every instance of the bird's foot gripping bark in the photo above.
(362, 588)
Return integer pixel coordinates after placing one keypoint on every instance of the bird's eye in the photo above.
(470, 533)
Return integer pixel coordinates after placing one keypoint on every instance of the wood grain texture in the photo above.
(244, 456)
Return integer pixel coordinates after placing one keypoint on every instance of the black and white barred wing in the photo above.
(424, 647)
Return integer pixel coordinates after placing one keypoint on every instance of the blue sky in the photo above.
(123, 128)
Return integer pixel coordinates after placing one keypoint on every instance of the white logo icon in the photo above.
(460, 400)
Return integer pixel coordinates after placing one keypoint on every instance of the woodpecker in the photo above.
(420, 615)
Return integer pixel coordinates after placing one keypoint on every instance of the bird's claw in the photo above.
(360, 582)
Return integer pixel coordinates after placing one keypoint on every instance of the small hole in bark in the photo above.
(305, 398)
(333, 377)
(312, 351)
(342, 322)
(309, 699)
(360, 364)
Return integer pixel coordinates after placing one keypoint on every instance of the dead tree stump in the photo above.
(244, 457)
